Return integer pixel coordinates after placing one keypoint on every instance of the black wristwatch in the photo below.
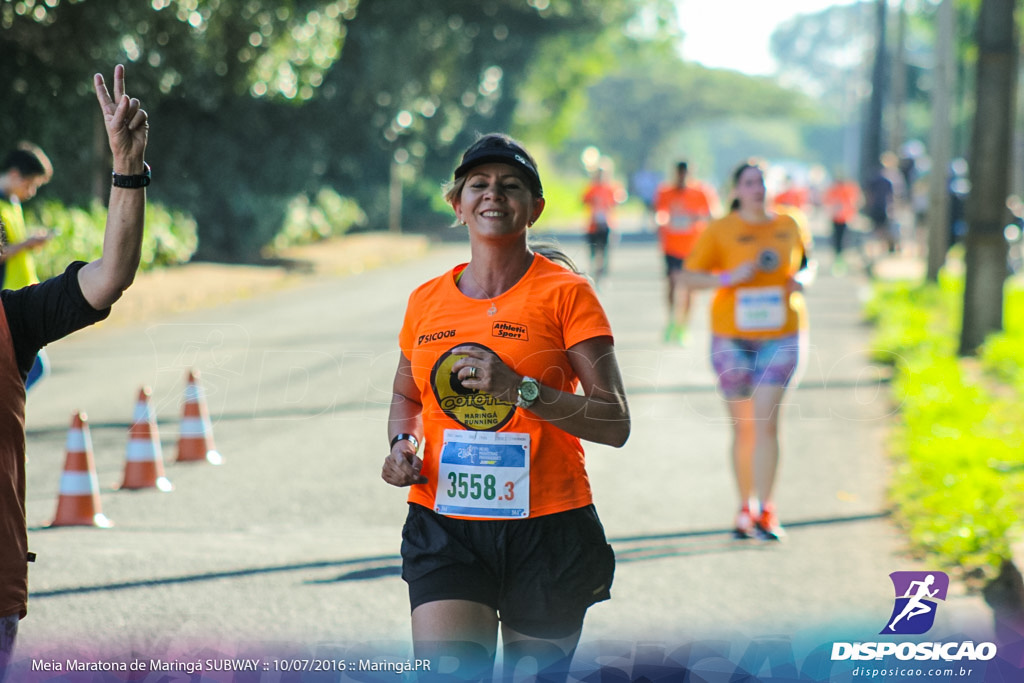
(408, 437)
(133, 182)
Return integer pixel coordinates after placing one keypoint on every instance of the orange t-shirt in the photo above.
(530, 327)
(601, 198)
(843, 198)
(682, 214)
(759, 308)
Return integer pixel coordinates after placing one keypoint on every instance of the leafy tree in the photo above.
(252, 102)
(634, 110)
(823, 53)
(216, 151)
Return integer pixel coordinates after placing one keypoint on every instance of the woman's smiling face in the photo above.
(496, 199)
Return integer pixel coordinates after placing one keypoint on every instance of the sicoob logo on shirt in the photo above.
(471, 408)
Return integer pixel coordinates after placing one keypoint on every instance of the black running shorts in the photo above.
(540, 574)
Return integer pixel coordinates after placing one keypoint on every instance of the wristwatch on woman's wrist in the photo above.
(408, 437)
(528, 392)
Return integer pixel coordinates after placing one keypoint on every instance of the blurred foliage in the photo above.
(255, 105)
(252, 103)
(629, 97)
(823, 53)
(826, 54)
(328, 215)
(1001, 352)
(170, 236)
(958, 484)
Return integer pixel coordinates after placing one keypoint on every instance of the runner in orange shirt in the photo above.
(682, 211)
(843, 199)
(756, 261)
(501, 528)
(792, 195)
(601, 197)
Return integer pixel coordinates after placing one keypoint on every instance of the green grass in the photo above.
(958, 483)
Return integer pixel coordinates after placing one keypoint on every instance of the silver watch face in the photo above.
(529, 390)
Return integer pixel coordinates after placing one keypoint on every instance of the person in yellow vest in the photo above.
(25, 169)
(33, 316)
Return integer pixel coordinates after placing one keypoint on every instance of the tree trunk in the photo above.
(991, 145)
(941, 140)
(873, 125)
(1005, 595)
(899, 83)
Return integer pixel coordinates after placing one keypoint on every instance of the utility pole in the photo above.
(398, 162)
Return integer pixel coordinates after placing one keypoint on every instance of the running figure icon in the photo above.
(917, 591)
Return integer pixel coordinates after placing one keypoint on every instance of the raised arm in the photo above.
(105, 279)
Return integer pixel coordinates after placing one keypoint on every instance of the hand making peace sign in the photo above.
(126, 123)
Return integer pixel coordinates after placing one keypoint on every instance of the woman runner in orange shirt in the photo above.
(501, 529)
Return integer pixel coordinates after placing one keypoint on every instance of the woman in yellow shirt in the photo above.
(757, 261)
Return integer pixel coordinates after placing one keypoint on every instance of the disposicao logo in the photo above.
(917, 596)
(913, 613)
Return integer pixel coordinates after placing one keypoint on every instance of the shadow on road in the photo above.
(710, 541)
(627, 549)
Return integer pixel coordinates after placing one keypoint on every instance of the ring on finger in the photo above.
(472, 372)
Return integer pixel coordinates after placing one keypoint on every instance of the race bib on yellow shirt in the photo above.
(760, 308)
(484, 474)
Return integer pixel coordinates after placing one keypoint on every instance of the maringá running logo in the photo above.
(471, 408)
(917, 596)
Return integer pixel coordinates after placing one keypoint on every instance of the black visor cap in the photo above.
(512, 157)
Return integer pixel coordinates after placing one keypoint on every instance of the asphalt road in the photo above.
(292, 543)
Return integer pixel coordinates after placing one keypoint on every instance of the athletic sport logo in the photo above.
(917, 596)
(507, 330)
(471, 408)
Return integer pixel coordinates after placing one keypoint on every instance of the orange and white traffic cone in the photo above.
(144, 464)
(195, 441)
(79, 501)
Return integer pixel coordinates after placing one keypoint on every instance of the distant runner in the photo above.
(756, 261)
(682, 212)
(601, 197)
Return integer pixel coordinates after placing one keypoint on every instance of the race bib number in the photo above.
(484, 474)
(681, 222)
(760, 308)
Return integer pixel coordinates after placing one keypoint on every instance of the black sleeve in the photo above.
(43, 313)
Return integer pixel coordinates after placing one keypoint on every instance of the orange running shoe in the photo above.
(768, 526)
